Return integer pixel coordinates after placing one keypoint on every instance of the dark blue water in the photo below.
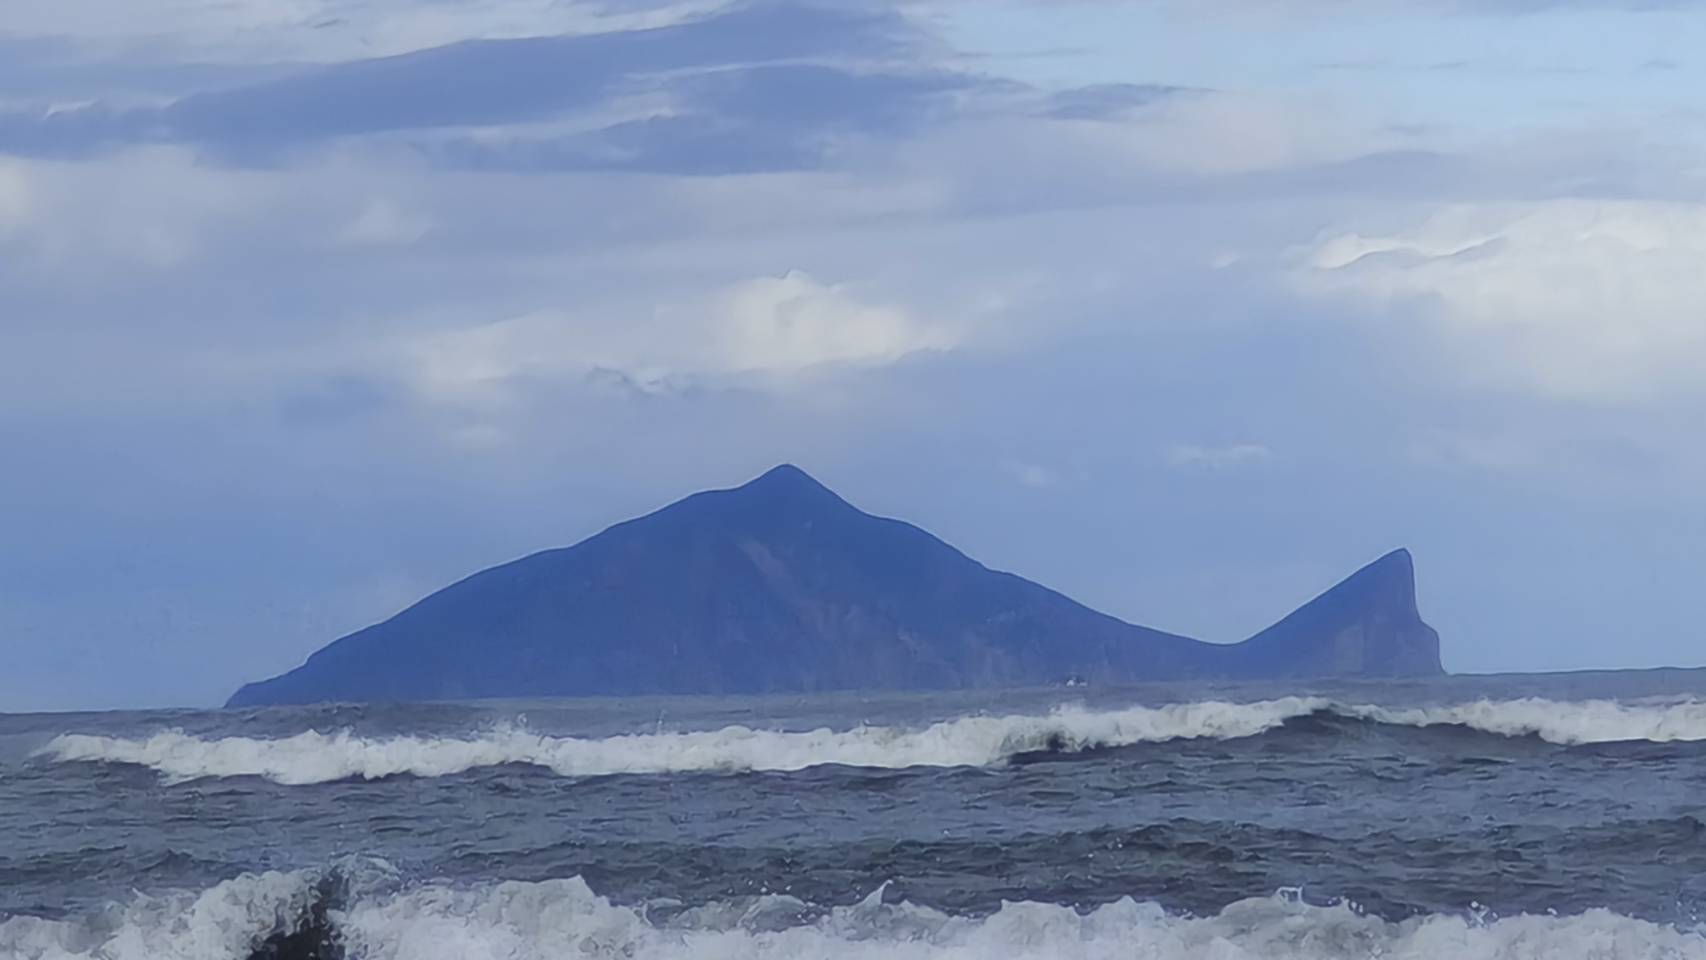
(1542, 816)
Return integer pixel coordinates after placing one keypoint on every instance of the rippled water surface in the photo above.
(1544, 816)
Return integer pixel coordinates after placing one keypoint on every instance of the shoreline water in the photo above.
(1457, 818)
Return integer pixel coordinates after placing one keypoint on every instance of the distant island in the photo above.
(779, 585)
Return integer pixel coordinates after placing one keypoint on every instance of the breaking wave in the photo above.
(1568, 723)
(975, 741)
(227, 921)
(275, 915)
(314, 757)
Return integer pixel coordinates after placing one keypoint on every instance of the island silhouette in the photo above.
(781, 586)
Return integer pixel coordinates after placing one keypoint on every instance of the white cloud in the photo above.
(1226, 133)
(1218, 458)
(1193, 138)
(1573, 297)
(790, 323)
(383, 223)
(1030, 474)
(157, 207)
(774, 328)
(322, 30)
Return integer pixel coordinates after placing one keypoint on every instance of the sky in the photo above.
(1187, 309)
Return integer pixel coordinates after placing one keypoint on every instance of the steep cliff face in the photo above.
(780, 585)
(1366, 626)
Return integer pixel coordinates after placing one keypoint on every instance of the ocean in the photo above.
(1554, 816)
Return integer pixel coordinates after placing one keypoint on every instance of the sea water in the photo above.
(1560, 816)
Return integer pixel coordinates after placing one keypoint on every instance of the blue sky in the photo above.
(308, 307)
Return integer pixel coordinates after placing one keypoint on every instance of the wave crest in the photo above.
(975, 741)
(1570, 723)
(564, 918)
(225, 921)
(559, 918)
(315, 757)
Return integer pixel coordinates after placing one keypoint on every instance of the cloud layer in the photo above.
(762, 332)
(1588, 298)
(311, 306)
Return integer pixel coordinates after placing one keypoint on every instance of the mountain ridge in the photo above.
(781, 585)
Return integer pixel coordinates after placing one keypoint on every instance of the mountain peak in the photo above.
(1367, 624)
(1396, 561)
(783, 476)
(781, 586)
(782, 491)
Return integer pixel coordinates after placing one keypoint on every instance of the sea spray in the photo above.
(972, 741)
(315, 757)
(555, 919)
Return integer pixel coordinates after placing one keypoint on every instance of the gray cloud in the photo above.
(506, 81)
(738, 120)
(55, 69)
(1376, 8)
(1106, 100)
(215, 371)
(498, 82)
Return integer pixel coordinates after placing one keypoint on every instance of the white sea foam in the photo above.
(979, 741)
(224, 922)
(558, 919)
(1561, 722)
(315, 757)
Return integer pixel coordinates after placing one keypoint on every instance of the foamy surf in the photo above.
(226, 921)
(1568, 723)
(976, 741)
(557, 919)
(315, 757)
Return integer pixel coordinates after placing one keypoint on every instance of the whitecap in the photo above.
(558, 919)
(315, 757)
(972, 741)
